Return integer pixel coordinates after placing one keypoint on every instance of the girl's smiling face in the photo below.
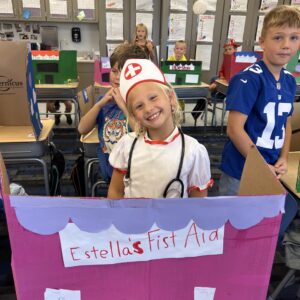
(151, 105)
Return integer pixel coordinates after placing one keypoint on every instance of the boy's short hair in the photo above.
(281, 15)
(124, 52)
(180, 42)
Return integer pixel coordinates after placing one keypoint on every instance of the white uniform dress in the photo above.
(155, 163)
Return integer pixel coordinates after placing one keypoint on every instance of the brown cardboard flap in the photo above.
(91, 137)
(295, 142)
(4, 182)
(17, 134)
(85, 106)
(14, 106)
(290, 178)
(257, 178)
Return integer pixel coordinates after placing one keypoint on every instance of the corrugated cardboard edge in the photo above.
(257, 178)
(3, 177)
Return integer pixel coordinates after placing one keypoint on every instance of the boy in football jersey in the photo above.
(260, 101)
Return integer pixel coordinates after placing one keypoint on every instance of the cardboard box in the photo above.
(55, 67)
(294, 66)
(182, 72)
(102, 69)
(86, 100)
(18, 101)
(295, 142)
(245, 227)
(238, 61)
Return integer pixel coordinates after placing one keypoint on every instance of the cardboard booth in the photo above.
(55, 67)
(239, 61)
(295, 142)
(218, 248)
(182, 72)
(18, 101)
(294, 66)
(101, 71)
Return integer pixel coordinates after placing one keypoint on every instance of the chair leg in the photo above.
(282, 284)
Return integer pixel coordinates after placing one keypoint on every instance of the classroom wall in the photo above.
(89, 34)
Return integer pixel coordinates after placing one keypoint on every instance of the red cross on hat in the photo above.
(132, 70)
(136, 71)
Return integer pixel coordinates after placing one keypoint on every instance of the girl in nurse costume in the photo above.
(157, 160)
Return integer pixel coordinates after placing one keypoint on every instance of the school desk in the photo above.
(59, 92)
(290, 178)
(18, 145)
(191, 94)
(90, 143)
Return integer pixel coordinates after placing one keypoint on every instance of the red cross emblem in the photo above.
(132, 70)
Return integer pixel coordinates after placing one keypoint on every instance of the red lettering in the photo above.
(111, 249)
(172, 237)
(165, 242)
(118, 248)
(72, 253)
(214, 235)
(94, 250)
(192, 232)
(103, 253)
(126, 251)
(150, 239)
(137, 248)
(87, 254)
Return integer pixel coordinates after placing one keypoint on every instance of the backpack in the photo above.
(57, 168)
(77, 176)
(198, 109)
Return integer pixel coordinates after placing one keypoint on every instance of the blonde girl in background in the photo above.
(158, 160)
(141, 39)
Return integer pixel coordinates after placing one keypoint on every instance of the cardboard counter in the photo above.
(290, 178)
(20, 142)
(218, 248)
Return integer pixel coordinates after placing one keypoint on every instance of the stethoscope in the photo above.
(175, 180)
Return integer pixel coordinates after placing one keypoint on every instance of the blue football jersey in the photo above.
(267, 103)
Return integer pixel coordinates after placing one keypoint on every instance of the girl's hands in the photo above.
(281, 167)
(149, 46)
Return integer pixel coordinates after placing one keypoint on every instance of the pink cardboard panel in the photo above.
(241, 272)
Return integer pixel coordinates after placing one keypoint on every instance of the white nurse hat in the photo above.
(136, 71)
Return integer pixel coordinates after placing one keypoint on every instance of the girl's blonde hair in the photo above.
(140, 25)
(176, 109)
(280, 16)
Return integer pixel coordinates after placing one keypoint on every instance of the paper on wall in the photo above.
(178, 5)
(145, 5)
(177, 24)
(236, 27)
(146, 19)
(114, 26)
(116, 4)
(239, 5)
(6, 7)
(203, 53)
(205, 28)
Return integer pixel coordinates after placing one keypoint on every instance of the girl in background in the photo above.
(141, 39)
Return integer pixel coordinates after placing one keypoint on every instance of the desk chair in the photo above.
(217, 98)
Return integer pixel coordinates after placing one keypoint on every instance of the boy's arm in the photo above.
(122, 105)
(88, 121)
(237, 133)
(116, 186)
(281, 164)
